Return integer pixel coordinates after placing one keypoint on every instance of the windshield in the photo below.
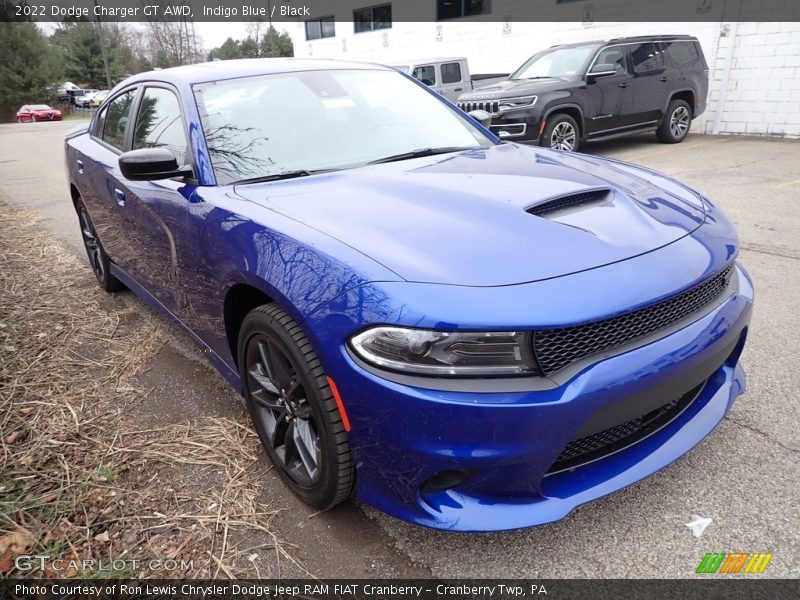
(39, 107)
(319, 120)
(558, 62)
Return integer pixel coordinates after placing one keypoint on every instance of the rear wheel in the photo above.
(561, 133)
(98, 259)
(293, 409)
(676, 124)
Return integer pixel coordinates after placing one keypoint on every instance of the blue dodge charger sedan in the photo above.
(466, 333)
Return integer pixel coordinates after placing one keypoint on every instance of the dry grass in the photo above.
(77, 479)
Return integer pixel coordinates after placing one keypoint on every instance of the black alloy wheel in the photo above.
(293, 409)
(98, 259)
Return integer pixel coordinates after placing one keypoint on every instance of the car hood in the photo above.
(510, 88)
(462, 219)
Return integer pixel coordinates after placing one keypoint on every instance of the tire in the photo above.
(293, 409)
(561, 133)
(98, 259)
(676, 124)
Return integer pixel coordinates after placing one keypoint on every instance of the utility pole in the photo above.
(103, 48)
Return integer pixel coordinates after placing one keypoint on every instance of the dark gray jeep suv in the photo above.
(572, 93)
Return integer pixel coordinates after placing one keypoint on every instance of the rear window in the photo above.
(683, 54)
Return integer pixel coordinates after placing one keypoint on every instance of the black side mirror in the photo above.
(148, 164)
(602, 70)
(481, 116)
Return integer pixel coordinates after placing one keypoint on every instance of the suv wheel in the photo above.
(293, 408)
(676, 124)
(561, 133)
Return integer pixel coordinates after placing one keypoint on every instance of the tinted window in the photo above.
(426, 74)
(613, 55)
(116, 122)
(453, 9)
(101, 119)
(320, 28)
(646, 58)
(682, 54)
(451, 72)
(159, 123)
(372, 18)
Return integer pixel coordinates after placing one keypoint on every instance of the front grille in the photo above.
(557, 348)
(614, 439)
(490, 106)
(570, 201)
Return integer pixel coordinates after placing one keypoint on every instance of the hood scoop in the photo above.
(567, 204)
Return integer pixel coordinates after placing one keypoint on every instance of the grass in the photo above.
(80, 477)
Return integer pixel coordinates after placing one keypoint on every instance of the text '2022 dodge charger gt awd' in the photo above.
(466, 333)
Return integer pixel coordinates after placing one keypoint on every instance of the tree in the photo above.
(277, 44)
(229, 50)
(83, 55)
(28, 70)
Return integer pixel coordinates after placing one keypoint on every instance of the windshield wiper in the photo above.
(419, 153)
(277, 176)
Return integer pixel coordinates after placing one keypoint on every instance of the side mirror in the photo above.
(481, 116)
(602, 70)
(148, 164)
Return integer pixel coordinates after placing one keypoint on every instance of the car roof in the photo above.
(425, 61)
(632, 39)
(245, 67)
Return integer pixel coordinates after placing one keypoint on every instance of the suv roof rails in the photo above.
(652, 37)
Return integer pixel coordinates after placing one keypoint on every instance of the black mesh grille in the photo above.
(557, 204)
(557, 348)
(621, 436)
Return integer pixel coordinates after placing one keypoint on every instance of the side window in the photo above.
(613, 55)
(116, 120)
(99, 122)
(451, 72)
(646, 58)
(159, 123)
(683, 55)
(425, 74)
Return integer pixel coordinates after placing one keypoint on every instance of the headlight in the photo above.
(444, 353)
(512, 103)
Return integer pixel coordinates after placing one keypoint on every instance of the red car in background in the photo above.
(30, 113)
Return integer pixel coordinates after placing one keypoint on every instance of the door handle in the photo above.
(80, 166)
(458, 90)
(623, 85)
(663, 78)
(120, 196)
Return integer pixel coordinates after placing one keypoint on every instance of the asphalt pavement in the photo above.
(744, 476)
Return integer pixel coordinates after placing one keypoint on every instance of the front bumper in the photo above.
(504, 443)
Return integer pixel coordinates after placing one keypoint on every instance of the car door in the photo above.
(650, 82)
(609, 103)
(103, 193)
(452, 80)
(157, 210)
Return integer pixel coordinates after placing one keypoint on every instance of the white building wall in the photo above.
(763, 96)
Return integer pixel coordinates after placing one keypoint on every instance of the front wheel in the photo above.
(293, 408)
(561, 133)
(677, 121)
